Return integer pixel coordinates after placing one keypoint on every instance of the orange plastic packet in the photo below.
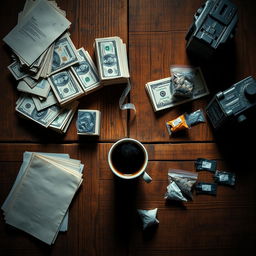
(177, 124)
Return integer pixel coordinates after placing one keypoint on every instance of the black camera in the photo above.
(213, 27)
(234, 105)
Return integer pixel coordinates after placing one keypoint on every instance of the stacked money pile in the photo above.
(47, 65)
(162, 96)
(112, 62)
(41, 195)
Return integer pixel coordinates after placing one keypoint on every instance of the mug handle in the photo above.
(146, 177)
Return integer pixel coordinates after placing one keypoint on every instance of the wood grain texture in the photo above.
(207, 225)
(103, 216)
(150, 57)
(161, 16)
(157, 41)
(103, 219)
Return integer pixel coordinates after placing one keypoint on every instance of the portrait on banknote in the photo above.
(87, 121)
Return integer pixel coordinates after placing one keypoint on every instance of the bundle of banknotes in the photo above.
(47, 66)
(112, 62)
(88, 122)
(42, 192)
(162, 96)
(55, 117)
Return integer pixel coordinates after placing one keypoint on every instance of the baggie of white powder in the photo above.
(148, 217)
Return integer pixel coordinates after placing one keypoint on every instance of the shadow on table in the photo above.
(125, 212)
(220, 70)
(126, 218)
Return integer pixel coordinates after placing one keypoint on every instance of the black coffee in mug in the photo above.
(128, 158)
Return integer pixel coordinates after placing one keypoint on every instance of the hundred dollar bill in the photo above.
(64, 54)
(27, 108)
(112, 60)
(108, 58)
(86, 72)
(159, 92)
(16, 70)
(45, 103)
(161, 95)
(65, 86)
(42, 88)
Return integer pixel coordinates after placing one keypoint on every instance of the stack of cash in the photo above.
(86, 72)
(42, 192)
(88, 122)
(112, 62)
(52, 115)
(47, 65)
(160, 92)
(62, 121)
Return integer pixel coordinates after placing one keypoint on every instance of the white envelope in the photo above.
(41, 199)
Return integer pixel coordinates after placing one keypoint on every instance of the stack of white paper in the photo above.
(41, 195)
(38, 28)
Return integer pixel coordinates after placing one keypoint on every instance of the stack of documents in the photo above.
(111, 58)
(40, 24)
(40, 197)
(47, 65)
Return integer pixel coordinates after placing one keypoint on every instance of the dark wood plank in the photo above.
(161, 15)
(103, 215)
(167, 153)
(208, 225)
(90, 19)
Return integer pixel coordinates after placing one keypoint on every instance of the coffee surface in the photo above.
(128, 158)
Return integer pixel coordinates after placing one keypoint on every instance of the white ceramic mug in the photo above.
(140, 172)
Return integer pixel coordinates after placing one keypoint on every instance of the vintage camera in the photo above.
(233, 106)
(214, 26)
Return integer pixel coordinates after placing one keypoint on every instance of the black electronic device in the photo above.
(234, 105)
(213, 27)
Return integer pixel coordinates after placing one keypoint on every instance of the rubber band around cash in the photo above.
(123, 96)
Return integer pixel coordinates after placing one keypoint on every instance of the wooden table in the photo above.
(103, 219)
